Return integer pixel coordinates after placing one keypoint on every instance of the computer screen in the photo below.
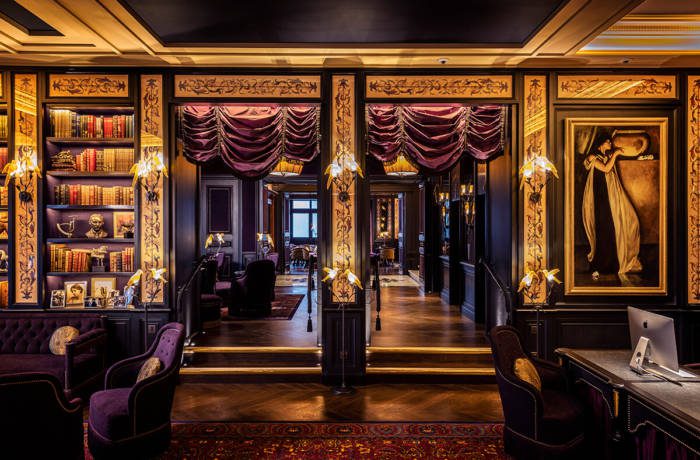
(661, 334)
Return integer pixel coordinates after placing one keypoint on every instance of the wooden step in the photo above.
(430, 357)
(247, 357)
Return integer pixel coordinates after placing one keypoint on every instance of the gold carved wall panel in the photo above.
(88, 85)
(616, 87)
(152, 211)
(534, 212)
(343, 140)
(26, 236)
(693, 187)
(435, 87)
(258, 86)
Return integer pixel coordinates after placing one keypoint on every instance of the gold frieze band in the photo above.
(693, 183)
(258, 86)
(88, 85)
(616, 87)
(486, 86)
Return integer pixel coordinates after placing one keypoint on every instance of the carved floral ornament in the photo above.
(88, 85)
(693, 189)
(616, 86)
(439, 86)
(258, 86)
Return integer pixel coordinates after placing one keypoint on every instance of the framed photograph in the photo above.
(123, 224)
(75, 293)
(101, 287)
(58, 299)
(112, 298)
(616, 206)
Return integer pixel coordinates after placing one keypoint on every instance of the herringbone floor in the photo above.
(316, 402)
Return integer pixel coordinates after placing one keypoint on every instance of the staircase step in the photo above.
(250, 374)
(430, 357)
(252, 357)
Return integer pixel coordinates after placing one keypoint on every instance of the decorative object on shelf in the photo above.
(4, 262)
(97, 259)
(130, 291)
(75, 293)
(91, 302)
(101, 287)
(123, 224)
(97, 223)
(58, 299)
(67, 228)
(400, 167)
(616, 197)
(529, 287)
(3, 224)
(112, 298)
(63, 161)
(148, 172)
(218, 237)
(287, 167)
(22, 170)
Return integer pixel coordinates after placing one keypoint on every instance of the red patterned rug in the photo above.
(283, 308)
(302, 440)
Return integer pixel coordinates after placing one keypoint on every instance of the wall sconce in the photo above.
(148, 171)
(22, 170)
(265, 243)
(218, 237)
(466, 193)
(536, 173)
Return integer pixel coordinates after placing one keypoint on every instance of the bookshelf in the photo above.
(88, 196)
(4, 209)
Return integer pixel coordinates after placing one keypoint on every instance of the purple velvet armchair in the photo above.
(24, 347)
(539, 424)
(38, 420)
(253, 293)
(132, 420)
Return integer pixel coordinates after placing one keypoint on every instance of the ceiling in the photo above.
(351, 33)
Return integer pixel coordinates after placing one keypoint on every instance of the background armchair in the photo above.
(539, 424)
(130, 419)
(254, 292)
(38, 420)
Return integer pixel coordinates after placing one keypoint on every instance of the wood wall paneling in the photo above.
(88, 85)
(439, 87)
(254, 86)
(616, 87)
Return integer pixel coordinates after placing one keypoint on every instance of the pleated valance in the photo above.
(435, 136)
(250, 139)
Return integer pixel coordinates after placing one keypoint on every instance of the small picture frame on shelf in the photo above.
(75, 293)
(92, 302)
(101, 287)
(58, 299)
(112, 298)
(123, 224)
(120, 302)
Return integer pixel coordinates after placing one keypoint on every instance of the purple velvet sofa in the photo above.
(132, 420)
(24, 347)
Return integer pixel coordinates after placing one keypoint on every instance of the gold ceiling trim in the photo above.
(616, 87)
(88, 85)
(258, 86)
(693, 189)
(436, 86)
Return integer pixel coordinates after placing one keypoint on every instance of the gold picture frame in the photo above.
(101, 287)
(76, 291)
(615, 181)
(119, 219)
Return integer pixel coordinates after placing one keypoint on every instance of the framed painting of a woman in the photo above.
(615, 212)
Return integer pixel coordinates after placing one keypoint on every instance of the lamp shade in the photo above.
(286, 168)
(400, 167)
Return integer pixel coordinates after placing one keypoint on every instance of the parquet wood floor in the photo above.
(316, 402)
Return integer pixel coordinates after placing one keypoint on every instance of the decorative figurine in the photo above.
(97, 223)
(67, 228)
(97, 259)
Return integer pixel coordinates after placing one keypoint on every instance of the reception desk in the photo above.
(635, 416)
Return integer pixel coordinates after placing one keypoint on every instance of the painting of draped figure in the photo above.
(615, 212)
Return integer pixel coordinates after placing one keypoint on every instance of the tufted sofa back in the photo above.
(24, 333)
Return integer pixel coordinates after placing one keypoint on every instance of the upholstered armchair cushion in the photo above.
(526, 371)
(562, 418)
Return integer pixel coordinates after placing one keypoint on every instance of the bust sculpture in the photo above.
(97, 223)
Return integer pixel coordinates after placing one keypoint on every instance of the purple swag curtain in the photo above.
(435, 136)
(250, 139)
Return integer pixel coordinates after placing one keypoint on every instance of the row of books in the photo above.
(92, 160)
(64, 259)
(93, 195)
(122, 261)
(3, 157)
(66, 123)
(4, 294)
(3, 127)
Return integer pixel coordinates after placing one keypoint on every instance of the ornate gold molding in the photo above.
(343, 139)
(152, 212)
(616, 87)
(2, 85)
(693, 186)
(534, 214)
(88, 85)
(439, 86)
(301, 86)
(26, 236)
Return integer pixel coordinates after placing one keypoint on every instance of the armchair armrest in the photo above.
(552, 375)
(93, 339)
(123, 374)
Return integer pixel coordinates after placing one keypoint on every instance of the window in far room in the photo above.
(304, 221)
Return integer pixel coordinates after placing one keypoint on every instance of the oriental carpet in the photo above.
(319, 440)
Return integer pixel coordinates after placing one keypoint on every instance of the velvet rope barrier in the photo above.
(250, 140)
(435, 137)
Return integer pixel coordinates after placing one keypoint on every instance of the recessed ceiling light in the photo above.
(443, 60)
(625, 61)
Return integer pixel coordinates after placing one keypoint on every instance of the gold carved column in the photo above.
(26, 234)
(343, 191)
(693, 187)
(534, 212)
(152, 219)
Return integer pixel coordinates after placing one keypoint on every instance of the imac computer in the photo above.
(658, 338)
